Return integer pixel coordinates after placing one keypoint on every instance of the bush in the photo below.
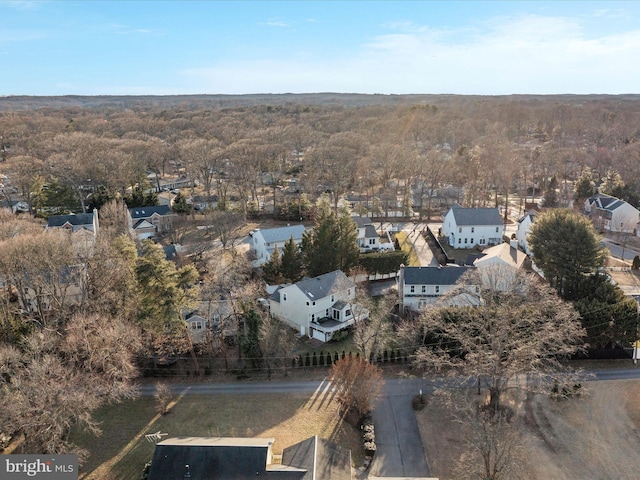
(370, 448)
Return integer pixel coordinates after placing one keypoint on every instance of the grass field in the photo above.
(122, 450)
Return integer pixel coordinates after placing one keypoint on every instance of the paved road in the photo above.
(617, 250)
(400, 450)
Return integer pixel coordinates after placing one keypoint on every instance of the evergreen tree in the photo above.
(180, 204)
(551, 195)
(585, 186)
(331, 245)
(291, 262)
(566, 247)
(272, 269)
(163, 291)
(611, 182)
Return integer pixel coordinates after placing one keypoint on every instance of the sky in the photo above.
(113, 47)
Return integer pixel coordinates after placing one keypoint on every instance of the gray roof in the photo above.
(531, 213)
(324, 285)
(447, 275)
(370, 231)
(74, 219)
(476, 216)
(320, 458)
(362, 221)
(606, 202)
(282, 234)
(146, 212)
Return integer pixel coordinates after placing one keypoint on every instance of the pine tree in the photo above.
(551, 195)
(291, 262)
(272, 269)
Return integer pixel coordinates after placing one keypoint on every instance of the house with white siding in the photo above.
(422, 286)
(468, 227)
(524, 227)
(318, 307)
(611, 214)
(264, 241)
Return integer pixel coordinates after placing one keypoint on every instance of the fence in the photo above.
(184, 366)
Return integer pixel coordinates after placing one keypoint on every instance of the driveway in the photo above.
(400, 451)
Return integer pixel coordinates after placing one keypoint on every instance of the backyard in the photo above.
(122, 450)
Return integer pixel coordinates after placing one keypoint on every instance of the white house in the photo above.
(318, 307)
(368, 237)
(422, 286)
(611, 213)
(468, 227)
(264, 242)
(524, 227)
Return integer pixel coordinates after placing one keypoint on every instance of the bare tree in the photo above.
(518, 332)
(357, 383)
(56, 380)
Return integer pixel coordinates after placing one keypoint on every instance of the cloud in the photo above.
(503, 55)
(276, 23)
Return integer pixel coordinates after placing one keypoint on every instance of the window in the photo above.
(332, 298)
(459, 229)
(437, 288)
(424, 289)
(347, 313)
(197, 325)
(459, 240)
(482, 241)
(497, 229)
(284, 297)
(413, 288)
(307, 304)
(313, 317)
(472, 229)
(372, 241)
(326, 313)
(465, 240)
(314, 303)
(472, 241)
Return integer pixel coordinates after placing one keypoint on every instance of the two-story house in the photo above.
(422, 286)
(611, 214)
(75, 222)
(318, 307)
(146, 222)
(264, 242)
(468, 227)
(368, 237)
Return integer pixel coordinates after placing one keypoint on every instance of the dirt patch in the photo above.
(595, 436)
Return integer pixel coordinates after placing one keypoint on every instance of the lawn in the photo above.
(122, 450)
(407, 246)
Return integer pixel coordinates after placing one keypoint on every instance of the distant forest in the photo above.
(403, 149)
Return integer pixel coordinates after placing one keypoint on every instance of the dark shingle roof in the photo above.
(321, 459)
(434, 275)
(146, 212)
(476, 216)
(73, 219)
